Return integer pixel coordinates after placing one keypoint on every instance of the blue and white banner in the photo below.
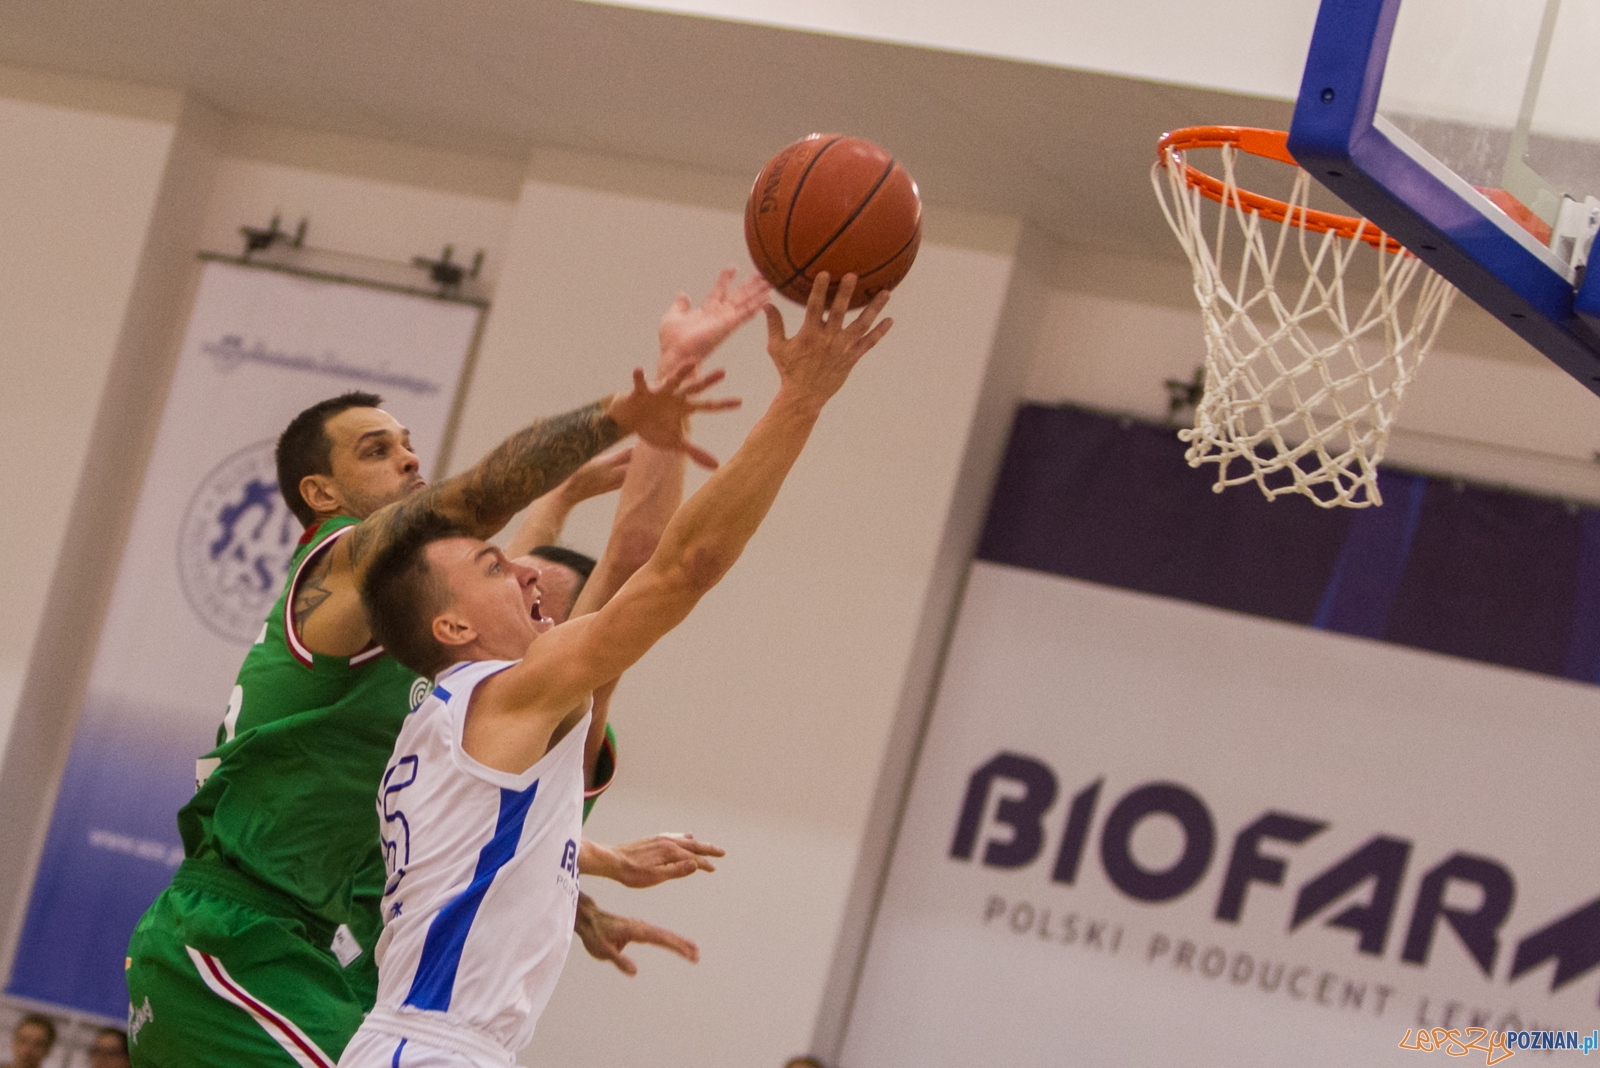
(1143, 832)
(205, 560)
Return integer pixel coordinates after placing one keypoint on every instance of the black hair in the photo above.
(304, 448)
(402, 595)
(39, 1019)
(580, 563)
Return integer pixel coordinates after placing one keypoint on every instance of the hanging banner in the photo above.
(1144, 832)
(205, 560)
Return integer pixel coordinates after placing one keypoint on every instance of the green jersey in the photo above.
(288, 796)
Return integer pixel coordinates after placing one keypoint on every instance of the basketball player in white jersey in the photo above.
(481, 803)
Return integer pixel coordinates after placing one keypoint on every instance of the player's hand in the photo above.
(816, 361)
(649, 861)
(601, 475)
(660, 415)
(605, 936)
(690, 334)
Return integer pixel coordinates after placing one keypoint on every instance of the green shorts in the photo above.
(221, 976)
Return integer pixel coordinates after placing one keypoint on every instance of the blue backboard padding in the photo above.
(1333, 137)
(1588, 302)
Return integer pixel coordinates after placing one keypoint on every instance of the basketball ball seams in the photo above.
(754, 228)
(826, 245)
(753, 214)
(794, 198)
(901, 251)
(768, 266)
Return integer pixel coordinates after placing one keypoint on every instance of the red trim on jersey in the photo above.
(287, 1029)
(296, 647)
(311, 532)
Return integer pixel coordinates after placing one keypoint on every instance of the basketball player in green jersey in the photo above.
(259, 952)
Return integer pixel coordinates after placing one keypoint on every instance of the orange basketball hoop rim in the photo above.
(1268, 144)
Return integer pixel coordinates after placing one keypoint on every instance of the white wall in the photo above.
(80, 185)
(359, 196)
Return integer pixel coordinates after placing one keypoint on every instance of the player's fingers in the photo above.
(775, 334)
(704, 849)
(752, 291)
(719, 288)
(660, 936)
(874, 336)
(679, 869)
(841, 301)
(639, 384)
(624, 963)
(681, 303)
(700, 456)
(817, 300)
(673, 380)
(720, 404)
(870, 313)
(704, 382)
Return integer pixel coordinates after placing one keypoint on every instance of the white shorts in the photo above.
(388, 1046)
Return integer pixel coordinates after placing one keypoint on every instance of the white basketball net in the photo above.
(1302, 386)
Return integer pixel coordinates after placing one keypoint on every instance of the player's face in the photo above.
(558, 586)
(499, 599)
(30, 1044)
(372, 461)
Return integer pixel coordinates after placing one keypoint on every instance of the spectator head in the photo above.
(803, 1062)
(109, 1049)
(32, 1040)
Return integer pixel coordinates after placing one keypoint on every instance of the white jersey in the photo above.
(483, 881)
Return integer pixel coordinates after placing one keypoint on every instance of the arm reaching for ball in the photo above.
(517, 712)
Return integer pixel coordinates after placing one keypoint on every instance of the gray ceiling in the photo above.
(1066, 149)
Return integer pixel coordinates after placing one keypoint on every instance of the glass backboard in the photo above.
(1470, 131)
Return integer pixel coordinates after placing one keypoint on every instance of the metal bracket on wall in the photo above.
(447, 275)
(276, 249)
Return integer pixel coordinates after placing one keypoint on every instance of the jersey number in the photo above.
(396, 829)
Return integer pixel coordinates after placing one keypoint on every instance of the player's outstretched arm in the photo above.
(605, 936)
(483, 498)
(653, 488)
(700, 544)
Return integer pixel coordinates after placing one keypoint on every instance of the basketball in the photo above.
(838, 204)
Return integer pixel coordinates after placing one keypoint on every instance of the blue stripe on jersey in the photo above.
(442, 694)
(435, 979)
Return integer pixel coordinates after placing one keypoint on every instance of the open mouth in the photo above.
(536, 613)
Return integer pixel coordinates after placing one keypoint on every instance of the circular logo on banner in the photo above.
(235, 543)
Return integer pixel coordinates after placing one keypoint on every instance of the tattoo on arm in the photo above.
(526, 465)
(311, 591)
(483, 498)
